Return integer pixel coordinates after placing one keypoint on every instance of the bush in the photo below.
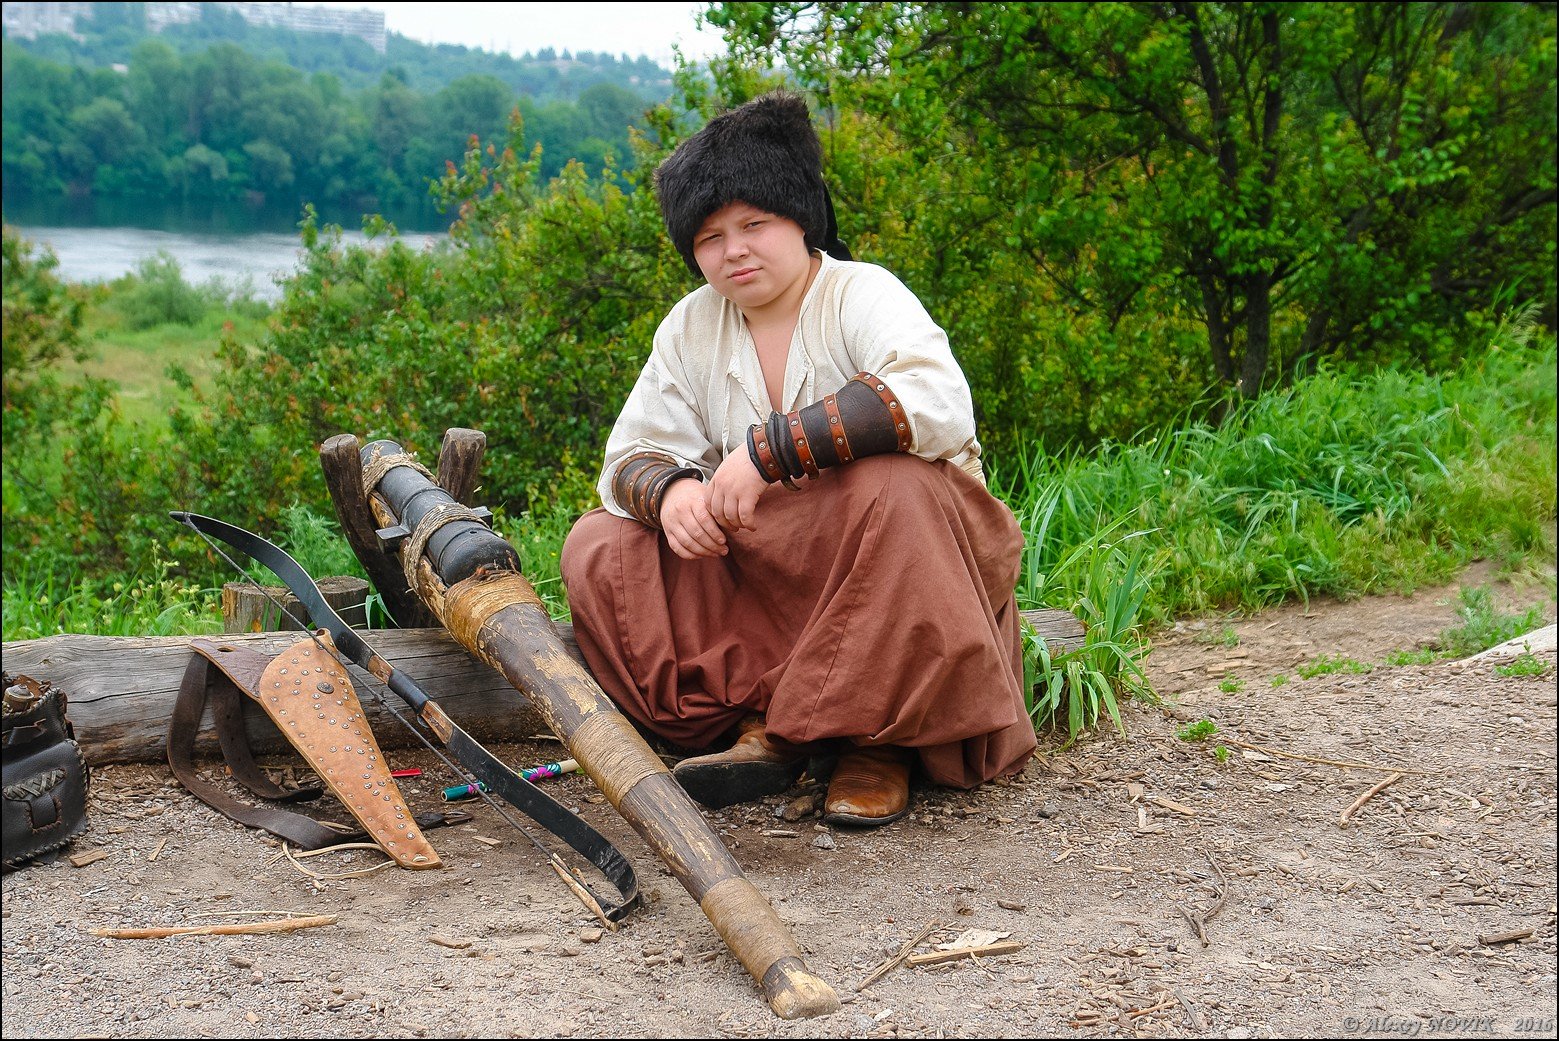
(155, 293)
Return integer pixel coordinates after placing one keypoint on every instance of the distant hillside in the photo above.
(109, 35)
(219, 111)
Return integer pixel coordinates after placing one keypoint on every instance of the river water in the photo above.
(98, 240)
(255, 259)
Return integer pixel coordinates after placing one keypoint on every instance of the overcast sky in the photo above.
(635, 29)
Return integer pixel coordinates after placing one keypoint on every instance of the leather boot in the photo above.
(870, 787)
(755, 766)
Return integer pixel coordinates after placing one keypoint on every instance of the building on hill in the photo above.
(29, 20)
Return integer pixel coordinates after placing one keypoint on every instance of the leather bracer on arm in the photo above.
(863, 418)
(641, 481)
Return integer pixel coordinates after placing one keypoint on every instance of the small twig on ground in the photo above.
(1325, 762)
(1197, 928)
(1160, 1007)
(91, 856)
(989, 950)
(286, 925)
(1510, 937)
(257, 910)
(1198, 922)
(1342, 818)
(1197, 1022)
(890, 964)
(292, 858)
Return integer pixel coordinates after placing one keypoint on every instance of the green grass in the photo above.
(151, 602)
(141, 325)
(1483, 625)
(1232, 685)
(1344, 486)
(1527, 664)
(1200, 730)
(1225, 637)
(1101, 579)
(1326, 665)
(1424, 657)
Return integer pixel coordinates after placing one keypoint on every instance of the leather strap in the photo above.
(760, 438)
(798, 438)
(201, 680)
(641, 480)
(836, 429)
(896, 410)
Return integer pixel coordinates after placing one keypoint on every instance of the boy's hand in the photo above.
(691, 530)
(733, 492)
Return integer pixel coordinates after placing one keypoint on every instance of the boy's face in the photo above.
(750, 256)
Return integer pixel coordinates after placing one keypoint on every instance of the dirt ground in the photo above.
(1430, 912)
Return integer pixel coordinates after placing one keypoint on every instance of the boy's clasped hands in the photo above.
(696, 516)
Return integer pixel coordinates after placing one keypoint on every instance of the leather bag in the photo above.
(45, 779)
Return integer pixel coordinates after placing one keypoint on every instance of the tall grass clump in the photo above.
(41, 601)
(1102, 578)
(1338, 485)
(1342, 485)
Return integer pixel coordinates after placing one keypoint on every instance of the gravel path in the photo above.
(1158, 887)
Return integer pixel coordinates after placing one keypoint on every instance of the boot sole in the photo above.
(855, 821)
(717, 785)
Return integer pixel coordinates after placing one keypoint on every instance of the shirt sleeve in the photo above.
(893, 337)
(662, 415)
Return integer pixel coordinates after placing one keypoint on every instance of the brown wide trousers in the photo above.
(875, 605)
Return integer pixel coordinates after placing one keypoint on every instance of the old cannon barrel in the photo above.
(474, 586)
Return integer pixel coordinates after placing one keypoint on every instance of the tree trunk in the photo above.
(1217, 327)
(1258, 333)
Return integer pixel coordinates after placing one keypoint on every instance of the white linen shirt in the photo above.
(702, 387)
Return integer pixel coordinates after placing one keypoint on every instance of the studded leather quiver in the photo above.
(308, 694)
(45, 778)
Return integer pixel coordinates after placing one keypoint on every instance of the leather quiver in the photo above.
(45, 778)
(308, 694)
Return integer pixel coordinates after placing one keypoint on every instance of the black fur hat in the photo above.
(764, 153)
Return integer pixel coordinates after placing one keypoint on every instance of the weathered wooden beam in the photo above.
(121, 689)
(460, 462)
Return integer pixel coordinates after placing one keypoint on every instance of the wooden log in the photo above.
(121, 689)
(1061, 630)
(250, 608)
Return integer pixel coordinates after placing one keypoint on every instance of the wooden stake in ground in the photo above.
(286, 925)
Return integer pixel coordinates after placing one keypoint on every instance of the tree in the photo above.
(41, 326)
(1300, 178)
